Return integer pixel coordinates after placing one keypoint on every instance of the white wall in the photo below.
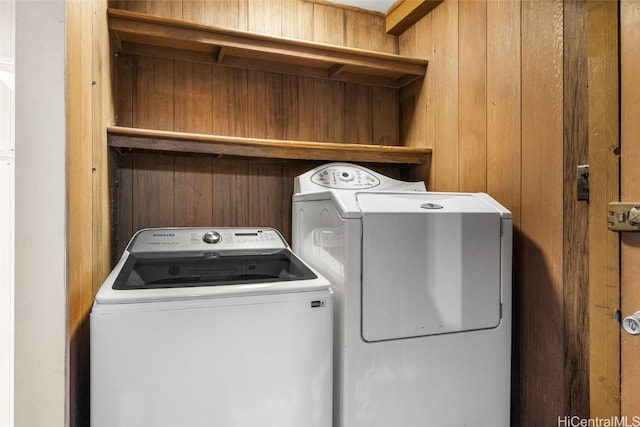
(40, 215)
(7, 55)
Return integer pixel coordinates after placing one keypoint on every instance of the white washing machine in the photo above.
(209, 327)
(422, 297)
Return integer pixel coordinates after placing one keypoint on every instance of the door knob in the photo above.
(631, 324)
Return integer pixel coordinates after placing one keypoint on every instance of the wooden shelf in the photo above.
(156, 140)
(143, 34)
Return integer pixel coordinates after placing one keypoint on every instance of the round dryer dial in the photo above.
(344, 177)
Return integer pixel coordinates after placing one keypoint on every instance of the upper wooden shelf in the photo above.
(157, 140)
(138, 33)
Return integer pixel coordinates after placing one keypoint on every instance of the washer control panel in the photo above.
(218, 239)
(344, 176)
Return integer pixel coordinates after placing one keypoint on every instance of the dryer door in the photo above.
(430, 265)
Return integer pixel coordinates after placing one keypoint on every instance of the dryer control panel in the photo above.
(347, 176)
(343, 176)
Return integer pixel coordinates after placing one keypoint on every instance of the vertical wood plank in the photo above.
(576, 213)
(416, 113)
(153, 94)
(604, 183)
(230, 98)
(380, 40)
(132, 5)
(444, 69)
(357, 29)
(193, 192)
(297, 19)
(306, 109)
(271, 105)
(504, 105)
(263, 16)
(472, 119)
(541, 316)
(328, 24)
(166, 8)
(357, 112)
(124, 224)
(194, 11)
(504, 159)
(124, 89)
(224, 13)
(328, 111)
(102, 115)
(79, 182)
(153, 191)
(230, 199)
(290, 118)
(385, 111)
(193, 93)
(629, 177)
(266, 195)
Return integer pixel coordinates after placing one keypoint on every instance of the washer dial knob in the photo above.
(211, 237)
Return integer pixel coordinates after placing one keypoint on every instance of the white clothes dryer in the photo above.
(422, 297)
(221, 327)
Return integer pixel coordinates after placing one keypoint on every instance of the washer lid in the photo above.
(176, 264)
(430, 265)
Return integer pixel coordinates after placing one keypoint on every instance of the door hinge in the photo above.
(623, 216)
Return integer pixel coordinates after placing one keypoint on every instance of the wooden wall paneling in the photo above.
(124, 72)
(357, 29)
(504, 159)
(271, 111)
(328, 115)
(103, 114)
(416, 114)
(261, 107)
(166, 8)
(297, 19)
(193, 191)
(153, 191)
(229, 103)
(328, 24)
(194, 11)
(604, 251)
(366, 31)
(576, 213)
(89, 99)
(629, 178)
(193, 97)
(306, 109)
(443, 73)
(263, 16)
(267, 199)
(357, 114)
(79, 202)
(472, 119)
(385, 116)
(504, 125)
(153, 93)
(230, 199)
(381, 41)
(132, 5)
(192, 113)
(541, 318)
(226, 13)
(123, 195)
(288, 114)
